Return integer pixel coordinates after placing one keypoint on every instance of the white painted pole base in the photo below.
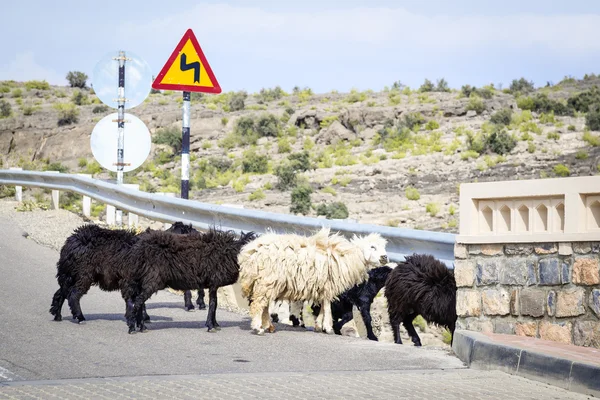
(55, 199)
(132, 219)
(86, 205)
(18, 189)
(110, 215)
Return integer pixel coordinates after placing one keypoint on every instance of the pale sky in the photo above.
(323, 44)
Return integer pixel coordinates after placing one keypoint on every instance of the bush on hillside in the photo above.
(77, 79)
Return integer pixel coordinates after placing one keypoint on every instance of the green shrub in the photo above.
(93, 168)
(336, 210)
(328, 120)
(592, 119)
(553, 135)
(432, 125)
(531, 147)
(82, 162)
(562, 170)
(286, 176)
(583, 101)
(452, 209)
(283, 145)
(548, 118)
(581, 155)
(170, 136)
(4, 89)
(592, 140)
(355, 96)
(56, 166)
(266, 95)
(329, 190)
(163, 157)
(466, 155)
(268, 125)
(412, 193)
(17, 93)
(80, 98)
(500, 142)
(525, 103)
(502, 117)
(7, 191)
(254, 163)
(67, 113)
(100, 109)
(543, 104)
(5, 109)
(571, 128)
(427, 86)
(521, 86)
(442, 86)
(485, 93)
(38, 85)
(77, 79)
(224, 121)
(301, 202)
(237, 100)
(476, 104)
(258, 194)
(300, 161)
(432, 209)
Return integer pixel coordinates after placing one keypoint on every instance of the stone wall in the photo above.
(545, 290)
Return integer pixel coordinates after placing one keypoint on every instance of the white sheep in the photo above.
(317, 268)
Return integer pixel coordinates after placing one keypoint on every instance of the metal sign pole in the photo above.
(121, 130)
(185, 147)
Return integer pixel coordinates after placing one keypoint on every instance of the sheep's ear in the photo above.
(367, 251)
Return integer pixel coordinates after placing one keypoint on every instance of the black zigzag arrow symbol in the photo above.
(184, 66)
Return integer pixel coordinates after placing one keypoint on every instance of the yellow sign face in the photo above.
(187, 69)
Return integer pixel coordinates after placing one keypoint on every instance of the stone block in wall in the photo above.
(526, 328)
(546, 248)
(565, 249)
(464, 273)
(551, 303)
(487, 272)
(468, 303)
(517, 271)
(586, 271)
(460, 251)
(504, 327)
(495, 302)
(514, 302)
(595, 301)
(532, 302)
(587, 333)
(582, 247)
(486, 249)
(551, 271)
(479, 325)
(557, 332)
(570, 302)
(518, 249)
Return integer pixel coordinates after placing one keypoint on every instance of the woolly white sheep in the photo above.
(317, 268)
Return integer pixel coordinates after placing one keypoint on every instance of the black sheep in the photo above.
(182, 262)
(92, 256)
(422, 286)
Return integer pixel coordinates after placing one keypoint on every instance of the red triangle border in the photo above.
(189, 34)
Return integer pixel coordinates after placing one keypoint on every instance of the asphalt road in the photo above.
(34, 347)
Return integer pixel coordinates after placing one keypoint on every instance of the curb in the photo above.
(480, 352)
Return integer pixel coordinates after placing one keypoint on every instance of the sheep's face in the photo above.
(373, 247)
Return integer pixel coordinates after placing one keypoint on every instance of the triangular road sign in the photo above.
(187, 69)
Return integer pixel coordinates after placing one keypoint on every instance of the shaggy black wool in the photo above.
(422, 285)
(181, 262)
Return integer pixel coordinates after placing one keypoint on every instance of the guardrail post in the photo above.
(86, 205)
(55, 201)
(111, 218)
(18, 189)
(132, 219)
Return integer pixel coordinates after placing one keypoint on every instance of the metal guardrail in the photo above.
(401, 241)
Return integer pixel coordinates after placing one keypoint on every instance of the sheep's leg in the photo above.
(327, 317)
(337, 326)
(187, 300)
(212, 310)
(200, 299)
(365, 312)
(256, 311)
(129, 315)
(74, 298)
(414, 337)
(57, 303)
(145, 313)
(296, 316)
(266, 321)
(138, 308)
(395, 323)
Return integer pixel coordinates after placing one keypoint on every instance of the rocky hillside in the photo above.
(395, 157)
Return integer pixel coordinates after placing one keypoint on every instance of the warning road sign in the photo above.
(187, 69)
